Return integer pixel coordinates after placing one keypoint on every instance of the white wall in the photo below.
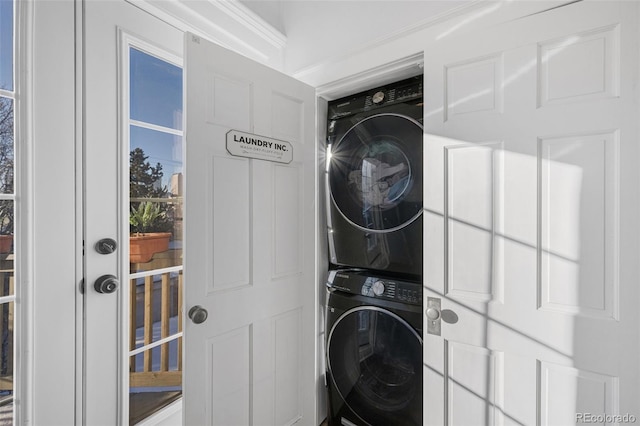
(354, 66)
(318, 31)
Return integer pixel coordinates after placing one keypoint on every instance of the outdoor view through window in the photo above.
(7, 205)
(155, 243)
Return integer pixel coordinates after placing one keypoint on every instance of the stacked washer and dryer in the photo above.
(374, 217)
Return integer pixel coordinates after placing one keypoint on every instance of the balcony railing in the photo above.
(156, 328)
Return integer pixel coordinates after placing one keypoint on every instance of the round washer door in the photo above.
(374, 359)
(375, 172)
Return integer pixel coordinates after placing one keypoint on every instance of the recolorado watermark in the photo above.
(605, 418)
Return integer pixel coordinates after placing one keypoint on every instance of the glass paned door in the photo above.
(155, 242)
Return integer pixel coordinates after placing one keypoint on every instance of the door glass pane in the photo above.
(6, 361)
(6, 145)
(6, 45)
(155, 242)
(6, 248)
(156, 90)
(7, 213)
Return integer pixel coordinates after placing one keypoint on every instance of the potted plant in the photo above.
(147, 220)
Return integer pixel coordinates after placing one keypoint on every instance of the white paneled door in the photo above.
(249, 246)
(249, 258)
(531, 220)
(111, 28)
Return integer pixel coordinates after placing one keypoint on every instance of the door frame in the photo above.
(47, 128)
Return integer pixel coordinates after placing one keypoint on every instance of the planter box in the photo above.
(142, 247)
(6, 241)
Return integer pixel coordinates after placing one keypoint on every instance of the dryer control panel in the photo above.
(404, 91)
(360, 282)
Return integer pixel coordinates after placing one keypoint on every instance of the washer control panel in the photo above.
(360, 282)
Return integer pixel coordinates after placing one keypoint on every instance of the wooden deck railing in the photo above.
(154, 297)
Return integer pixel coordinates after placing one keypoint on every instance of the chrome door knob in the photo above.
(433, 314)
(198, 314)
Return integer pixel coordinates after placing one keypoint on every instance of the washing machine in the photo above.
(374, 168)
(373, 350)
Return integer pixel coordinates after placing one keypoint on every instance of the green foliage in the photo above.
(147, 217)
(143, 177)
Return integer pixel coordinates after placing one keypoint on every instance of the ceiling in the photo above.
(320, 30)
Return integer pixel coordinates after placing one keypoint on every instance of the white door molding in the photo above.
(229, 24)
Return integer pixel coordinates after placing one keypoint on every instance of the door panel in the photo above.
(250, 227)
(530, 238)
(107, 27)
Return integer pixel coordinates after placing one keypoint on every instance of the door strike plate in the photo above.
(433, 316)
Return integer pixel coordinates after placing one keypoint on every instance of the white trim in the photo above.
(125, 40)
(155, 127)
(253, 37)
(248, 19)
(24, 264)
(153, 272)
(80, 397)
(396, 70)
(156, 344)
(7, 299)
(137, 42)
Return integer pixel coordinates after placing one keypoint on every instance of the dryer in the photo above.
(374, 168)
(373, 350)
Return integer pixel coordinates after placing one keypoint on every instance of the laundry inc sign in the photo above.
(248, 145)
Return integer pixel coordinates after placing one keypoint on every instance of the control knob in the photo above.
(378, 97)
(378, 288)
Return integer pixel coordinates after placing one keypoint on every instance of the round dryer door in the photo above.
(375, 362)
(375, 172)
